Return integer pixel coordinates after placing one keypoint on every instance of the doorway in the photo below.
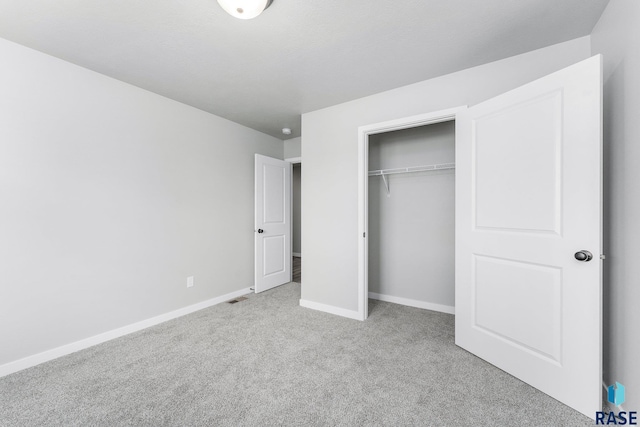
(411, 259)
(296, 218)
(296, 222)
(272, 223)
(365, 133)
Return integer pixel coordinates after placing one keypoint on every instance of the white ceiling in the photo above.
(298, 56)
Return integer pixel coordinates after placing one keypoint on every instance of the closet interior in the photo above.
(411, 216)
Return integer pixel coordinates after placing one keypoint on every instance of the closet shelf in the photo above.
(384, 172)
(441, 166)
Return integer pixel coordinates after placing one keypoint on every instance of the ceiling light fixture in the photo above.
(286, 131)
(244, 9)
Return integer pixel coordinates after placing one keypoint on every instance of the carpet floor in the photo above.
(267, 361)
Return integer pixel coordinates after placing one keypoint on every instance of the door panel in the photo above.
(534, 292)
(529, 156)
(528, 196)
(274, 255)
(272, 223)
(274, 194)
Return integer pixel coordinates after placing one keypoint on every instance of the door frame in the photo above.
(363, 187)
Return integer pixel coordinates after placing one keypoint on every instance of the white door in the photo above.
(528, 199)
(272, 223)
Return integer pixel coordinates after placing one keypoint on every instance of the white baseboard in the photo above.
(296, 254)
(351, 314)
(45, 356)
(414, 303)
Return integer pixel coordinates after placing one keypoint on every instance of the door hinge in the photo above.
(364, 234)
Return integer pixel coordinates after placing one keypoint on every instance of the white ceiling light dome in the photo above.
(244, 9)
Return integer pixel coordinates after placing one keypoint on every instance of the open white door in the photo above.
(272, 223)
(528, 201)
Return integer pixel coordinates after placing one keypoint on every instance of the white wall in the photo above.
(412, 229)
(296, 203)
(110, 196)
(292, 148)
(330, 151)
(617, 37)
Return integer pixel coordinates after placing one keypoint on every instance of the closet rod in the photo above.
(441, 166)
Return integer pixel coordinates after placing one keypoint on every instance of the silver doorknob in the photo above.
(260, 230)
(583, 256)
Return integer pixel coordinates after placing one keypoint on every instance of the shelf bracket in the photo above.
(386, 184)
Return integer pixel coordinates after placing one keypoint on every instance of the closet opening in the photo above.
(407, 212)
(412, 216)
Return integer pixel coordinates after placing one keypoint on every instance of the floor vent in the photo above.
(239, 299)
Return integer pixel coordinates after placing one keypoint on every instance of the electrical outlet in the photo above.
(189, 281)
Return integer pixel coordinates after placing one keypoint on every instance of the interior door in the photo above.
(528, 218)
(272, 223)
